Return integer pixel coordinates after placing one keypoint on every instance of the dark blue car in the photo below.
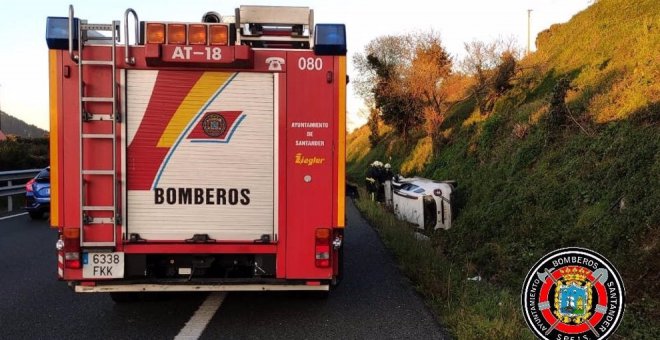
(37, 194)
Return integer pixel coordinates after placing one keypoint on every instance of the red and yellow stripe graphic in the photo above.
(170, 111)
(206, 86)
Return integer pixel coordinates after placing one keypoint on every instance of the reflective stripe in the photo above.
(54, 135)
(341, 143)
(60, 265)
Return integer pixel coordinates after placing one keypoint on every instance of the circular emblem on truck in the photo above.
(571, 293)
(214, 125)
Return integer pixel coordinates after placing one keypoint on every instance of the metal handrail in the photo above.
(18, 174)
(12, 190)
(8, 190)
(130, 60)
(73, 57)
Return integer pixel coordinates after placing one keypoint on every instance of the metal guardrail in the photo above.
(7, 187)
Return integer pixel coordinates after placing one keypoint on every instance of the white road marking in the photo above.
(10, 216)
(197, 323)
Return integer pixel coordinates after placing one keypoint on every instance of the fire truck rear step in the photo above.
(99, 244)
(107, 288)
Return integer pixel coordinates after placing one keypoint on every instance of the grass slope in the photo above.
(527, 187)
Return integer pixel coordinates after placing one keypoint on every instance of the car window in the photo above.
(43, 176)
(419, 191)
(411, 187)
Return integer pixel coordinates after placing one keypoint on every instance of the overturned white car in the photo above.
(423, 202)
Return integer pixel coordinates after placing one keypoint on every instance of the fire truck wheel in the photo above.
(340, 275)
(122, 297)
(36, 215)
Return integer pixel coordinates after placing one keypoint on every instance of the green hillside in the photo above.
(11, 125)
(26, 147)
(529, 184)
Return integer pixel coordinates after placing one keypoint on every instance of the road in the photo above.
(373, 302)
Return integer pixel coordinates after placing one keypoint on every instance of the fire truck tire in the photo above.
(123, 297)
(340, 275)
(36, 215)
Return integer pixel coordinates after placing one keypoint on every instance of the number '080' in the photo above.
(310, 64)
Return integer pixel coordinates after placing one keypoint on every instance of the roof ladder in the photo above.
(93, 216)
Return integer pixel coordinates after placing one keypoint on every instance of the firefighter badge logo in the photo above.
(573, 293)
(214, 125)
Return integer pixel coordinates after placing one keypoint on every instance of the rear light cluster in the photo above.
(71, 248)
(28, 185)
(187, 34)
(322, 247)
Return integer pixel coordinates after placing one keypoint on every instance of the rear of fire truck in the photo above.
(200, 156)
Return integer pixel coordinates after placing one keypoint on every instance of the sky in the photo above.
(24, 55)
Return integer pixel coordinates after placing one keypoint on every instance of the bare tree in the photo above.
(427, 77)
(493, 66)
(381, 81)
(392, 54)
(409, 81)
(430, 67)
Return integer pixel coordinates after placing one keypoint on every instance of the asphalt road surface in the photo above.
(373, 302)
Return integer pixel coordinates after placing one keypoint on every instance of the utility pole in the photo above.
(529, 31)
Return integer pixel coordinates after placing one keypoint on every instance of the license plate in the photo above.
(103, 265)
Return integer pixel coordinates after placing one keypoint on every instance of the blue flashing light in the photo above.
(57, 33)
(330, 39)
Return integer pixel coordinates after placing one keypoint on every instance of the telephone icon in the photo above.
(274, 63)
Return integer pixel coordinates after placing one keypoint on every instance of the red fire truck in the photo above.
(204, 156)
